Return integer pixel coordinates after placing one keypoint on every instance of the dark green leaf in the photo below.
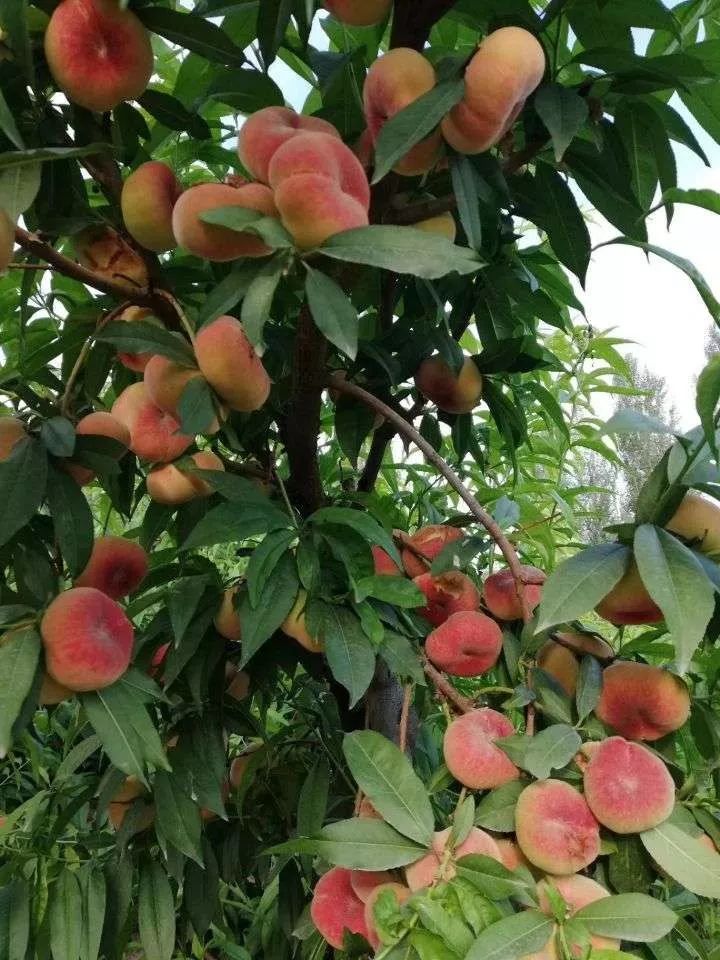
(259, 297)
(246, 91)
(402, 250)
(72, 520)
(66, 917)
(19, 656)
(332, 311)
(194, 33)
(628, 916)
(156, 913)
(581, 582)
(23, 478)
(551, 749)
(563, 112)
(231, 522)
(141, 336)
(349, 653)
(261, 620)
(513, 937)
(178, 817)
(196, 410)
(264, 561)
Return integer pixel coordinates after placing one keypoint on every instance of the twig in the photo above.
(446, 689)
(30, 266)
(404, 715)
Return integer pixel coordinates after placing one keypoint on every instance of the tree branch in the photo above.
(446, 689)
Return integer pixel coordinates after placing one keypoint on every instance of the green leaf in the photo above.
(19, 185)
(353, 423)
(264, 560)
(94, 895)
(628, 916)
(496, 810)
(194, 33)
(707, 395)
(395, 590)
(313, 799)
(401, 132)
(361, 843)
(402, 250)
(349, 653)
(14, 17)
(23, 478)
(42, 154)
(231, 522)
(19, 656)
(491, 878)
(141, 336)
(156, 913)
(332, 311)
(589, 687)
(14, 919)
(551, 749)
(386, 777)
(246, 91)
(513, 937)
(66, 917)
(676, 581)
(466, 187)
(201, 889)
(361, 523)
(178, 817)
(244, 220)
(261, 620)
(171, 113)
(634, 421)
(72, 520)
(273, 19)
(707, 199)
(580, 583)
(224, 297)
(196, 410)
(639, 128)
(693, 865)
(58, 435)
(259, 297)
(563, 112)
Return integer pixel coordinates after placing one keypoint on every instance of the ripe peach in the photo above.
(7, 240)
(444, 225)
(165, 381)
(12, 431)
(320, 188)
(116, 566)
(358, 13)
(393, 82)
(118, 811)
(52, 692)
(563, 664)
(577, 891)
(98, 53)
(130, 789)
(87, 638)
(364, 882)
(158, 659)
(335, 908)
(642, 702)
(500, 594)
(427, 869)
(452, 394)
(295, 626)
(385, 566)
(511, 855)
(136, 361)
(627, 787)
(98, 424)
(227, 621)
(697, 520)
(506, 69)
(171, 485)
(449, 593)
(154, 434)
(467, 644)
(102, 250)
(629, 602)
(212, 242)
(230, 364)
(429, 542)
(239, 686)
(367, 810)
(470, 752)
(147, 200)
(268, 129)
(401, 894)
(555, 827)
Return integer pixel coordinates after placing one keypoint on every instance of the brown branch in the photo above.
(446, 689)
(404, 716)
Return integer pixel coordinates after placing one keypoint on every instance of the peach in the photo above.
(447, 594)
(154, 434)
(444, 225)
(98, 53)
(364, 882)
(507, 67)
(130, 789)
(627, 787)
(118, 811)
(367, 810)
(227, 621)
(171, 485)
(158, 659)
(697, 520)
(320, 188)
(216, 243)
(87, 638)
(577, 891)
(437, 864)
(98, 424)
(450, 393)
(561, 664)
(400, 892)
(555, 827)
(500, 593)
(102, 250)
(629, 602)
(238, 769)
(267, 130)
(12, 431)
(165, 381)
(511, 856)
(467, 644)
(239, 686)
(295, 626)
(642, 702)
(335, 908)
(428, 542)
(230, 364)
(116, 566)
(358, 13)
(52, 692)
(385, 566)
(136, 361)
(147, 200)
(7, 240)
(707, 841)
(470, 752)
(393, 82)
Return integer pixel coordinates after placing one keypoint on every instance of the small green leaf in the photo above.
(551, 749)
(19, 186)
(693, 865)
(156, 913)
(361, 843)
(141, 336)
(259, 297)
(513, 937)
(23, 478)
(707, 395)
(496, 810)
(589, 687)
(580, 583)
(178, 817)
(194, 33)
(261, 620)
(349, 653)
(72, 520)
(361, 523)
(563, 112)
(332, 311)
(19, 656)
(66, 917)
(395, 590)
(628, 916)
(491, 878)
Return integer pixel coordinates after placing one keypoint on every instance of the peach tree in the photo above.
(301, 654)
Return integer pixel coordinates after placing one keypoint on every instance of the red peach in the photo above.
(447, 594)
(429, 542)
(116, 566)
(470, 752)
(136, 361)
(385, 566)
(629, 602)
(12, 431)
(449, 392)
(295, 626)
(231, 366)
(335, 908)
(216, 243)
(427, 869)
(154, 434)
(500, 593)
(171, 485)
(467, 644)
(364, 882)
(511, 855)
(267, 130)
(642, 702)
(147, 200)
(555, 827)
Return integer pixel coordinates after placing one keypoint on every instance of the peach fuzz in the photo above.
(577, 891)
(116, 566)
(500, 593)
(209, 241)
(154, 434)
(450, 393)
(364, 882)
(12, 431)
(231, 366)
(555, 827)
(98, 53)
(627, 787)
(87, 639)
(335, 908)
(642, 702)
(447, 594)
(444, 225)
(294, 626)
(628, 602)
(52, 692)
(470, 752)
(697, 520)
(427, 870)
(147, 200)
(384, 564)
(136, 361)
(98, 424)
(428, 542)
(7, 240)
(507, 67)
(400, 892)
(358, 13)
(227, 621)
(467, 644)
(320, 188)
(267, 130)
(393, 82)
(102, 250)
